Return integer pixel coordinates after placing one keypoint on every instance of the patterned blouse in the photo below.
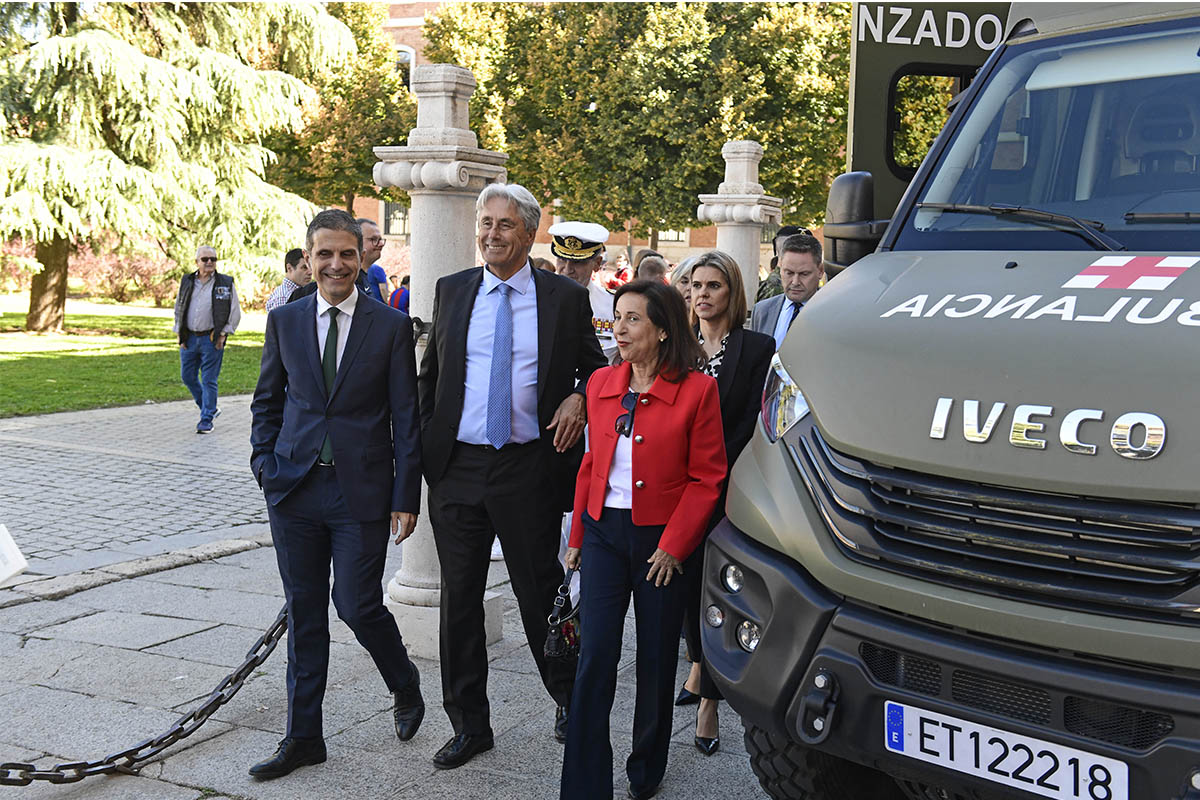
(713, 367)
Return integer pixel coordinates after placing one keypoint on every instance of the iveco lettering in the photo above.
(1029, 421)
(966, 550)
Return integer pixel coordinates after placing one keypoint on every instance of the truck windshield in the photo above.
(1102, 127)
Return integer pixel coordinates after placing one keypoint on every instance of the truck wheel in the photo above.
(790, 771)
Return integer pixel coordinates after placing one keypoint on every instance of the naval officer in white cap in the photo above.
(578, 249)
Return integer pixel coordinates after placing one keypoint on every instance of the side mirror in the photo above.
(850, 230)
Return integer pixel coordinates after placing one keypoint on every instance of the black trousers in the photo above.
(484, 492)
(310, 528)
(613, 568)
(693, 578)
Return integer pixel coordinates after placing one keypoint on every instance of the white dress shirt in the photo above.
(784, 322)
(481, 329)
(344, 320)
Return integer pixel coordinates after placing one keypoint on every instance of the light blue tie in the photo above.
(499, 410)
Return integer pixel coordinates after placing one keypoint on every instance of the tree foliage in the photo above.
(360, 105)
(148, 121)
(621, 109)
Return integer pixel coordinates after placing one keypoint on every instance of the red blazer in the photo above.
(678, 455)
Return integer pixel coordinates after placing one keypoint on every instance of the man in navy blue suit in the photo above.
(335, 447)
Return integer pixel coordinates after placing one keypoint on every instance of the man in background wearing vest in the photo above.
(206, 312)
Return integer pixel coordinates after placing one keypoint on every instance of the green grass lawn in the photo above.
(108, 355)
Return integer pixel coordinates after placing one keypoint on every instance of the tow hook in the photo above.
(819, 708)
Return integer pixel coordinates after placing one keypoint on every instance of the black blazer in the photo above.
(740, 384)
(370, 416)
(568, 353)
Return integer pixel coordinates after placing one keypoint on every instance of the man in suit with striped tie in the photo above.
(502, 388)
(801, 272)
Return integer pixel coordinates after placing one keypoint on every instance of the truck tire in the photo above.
(788, 770)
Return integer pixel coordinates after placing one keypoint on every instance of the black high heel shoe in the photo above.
(686, 698)
(708, 746)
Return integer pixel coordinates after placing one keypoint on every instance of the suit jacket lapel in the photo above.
(458, 322)
(547, 317)
(733, 350)
(782, 301)
(364, 313)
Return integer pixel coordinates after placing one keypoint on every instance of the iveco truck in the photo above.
(961, 557)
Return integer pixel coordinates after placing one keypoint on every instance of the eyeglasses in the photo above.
(625, 421)
(206, 259)
(375, 239)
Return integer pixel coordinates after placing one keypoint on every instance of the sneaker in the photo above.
(204, 426)
(217, 412)
(497, 553)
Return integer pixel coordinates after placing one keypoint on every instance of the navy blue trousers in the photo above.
(312, 527)
(613, 569)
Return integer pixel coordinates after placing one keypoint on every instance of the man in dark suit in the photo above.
(336, 449)
(801, 271)
(502, 410)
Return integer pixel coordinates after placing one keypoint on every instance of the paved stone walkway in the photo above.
(115, 649)
(86, 489)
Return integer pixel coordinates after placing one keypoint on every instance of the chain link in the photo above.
(18, 773)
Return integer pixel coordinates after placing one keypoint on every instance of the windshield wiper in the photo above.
(1089, 229)
(1162, 216)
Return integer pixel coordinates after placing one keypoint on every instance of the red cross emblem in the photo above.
(1131, 272)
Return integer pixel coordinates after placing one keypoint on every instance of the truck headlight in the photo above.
(783, 405)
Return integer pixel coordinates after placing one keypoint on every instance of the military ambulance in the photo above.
(962, 551)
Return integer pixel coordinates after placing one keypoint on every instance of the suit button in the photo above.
(640, 484)
(638, 438)
(645, 401)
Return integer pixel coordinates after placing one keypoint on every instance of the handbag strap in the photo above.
(560, 601)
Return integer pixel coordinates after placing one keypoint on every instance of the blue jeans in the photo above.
(613, 569)
(201, 357)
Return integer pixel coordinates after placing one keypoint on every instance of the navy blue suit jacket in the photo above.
(371, 415)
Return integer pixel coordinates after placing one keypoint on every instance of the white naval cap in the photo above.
(577, 241)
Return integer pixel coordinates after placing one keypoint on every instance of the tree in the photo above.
(361, 105)
(147, 121)
(620, 110)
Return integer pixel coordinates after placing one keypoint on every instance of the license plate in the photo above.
(1038, 767)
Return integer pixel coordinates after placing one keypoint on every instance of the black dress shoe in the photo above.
(686, 698)
(560, 724)
(642, 794)
(292, 753)
(708, 745)
(409, 707)
(461, 749)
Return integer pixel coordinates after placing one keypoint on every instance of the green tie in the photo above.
(329, 367)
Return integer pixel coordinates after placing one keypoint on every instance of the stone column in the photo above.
(739, 209)
(443, 170)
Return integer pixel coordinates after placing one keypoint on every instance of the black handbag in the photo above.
(562, 636)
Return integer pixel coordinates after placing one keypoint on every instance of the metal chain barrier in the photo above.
(14, 773)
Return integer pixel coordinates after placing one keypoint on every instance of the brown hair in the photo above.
(680, 353)
(724, 263)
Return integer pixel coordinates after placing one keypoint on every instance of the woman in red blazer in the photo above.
(646, 489)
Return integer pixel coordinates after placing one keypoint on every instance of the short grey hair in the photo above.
(205, 247)
(684, 268)
(334, 219)
(527, 205)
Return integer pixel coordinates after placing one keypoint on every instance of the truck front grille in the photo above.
(1130, 558)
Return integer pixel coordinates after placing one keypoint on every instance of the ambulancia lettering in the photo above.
(1136, 435)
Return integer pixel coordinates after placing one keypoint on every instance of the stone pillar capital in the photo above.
(417, 169)
(744, 209)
